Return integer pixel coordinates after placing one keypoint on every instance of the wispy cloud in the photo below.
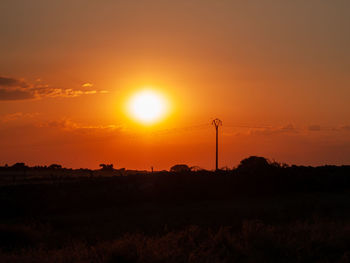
(87, 85)
(10, 82)
(345, 128)
(314, 128)
(17, 116)
(69, 125)
(15, 94)
(284, 129)
(16, 89)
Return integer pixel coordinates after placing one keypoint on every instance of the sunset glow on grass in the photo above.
(148, 106)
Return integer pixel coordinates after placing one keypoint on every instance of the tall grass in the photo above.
(320, 241)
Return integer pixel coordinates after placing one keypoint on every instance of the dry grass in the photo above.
(254, 242)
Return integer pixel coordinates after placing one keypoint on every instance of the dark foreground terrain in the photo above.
(255, 213)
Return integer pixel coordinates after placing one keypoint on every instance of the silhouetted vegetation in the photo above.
(180, 168)
(261, 211)
(253, 241)
(55, 166)
(106, 167)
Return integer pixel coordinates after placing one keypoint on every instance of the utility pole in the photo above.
(217, 122)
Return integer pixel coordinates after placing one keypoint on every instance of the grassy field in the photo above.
(174, 218)
(253, 241)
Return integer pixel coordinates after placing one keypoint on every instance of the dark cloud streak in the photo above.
(314, 128)
(13, 89)
(16, 94)
(10, 82)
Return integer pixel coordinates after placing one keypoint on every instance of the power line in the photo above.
(182, 129)
(248, 126)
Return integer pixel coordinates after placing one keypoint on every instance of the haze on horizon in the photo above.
(275, 72)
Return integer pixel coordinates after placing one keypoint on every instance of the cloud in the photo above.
(90, 92)
(14, 89)
(17, 116)
(314, 128)
(87, 85)
(15, 94)
(10, 82)
(69, 125)
(14, 123)
(289, 128)
(345, 128)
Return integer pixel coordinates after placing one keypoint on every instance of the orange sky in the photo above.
(275, 72)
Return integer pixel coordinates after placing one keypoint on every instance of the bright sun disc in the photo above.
(147, 106)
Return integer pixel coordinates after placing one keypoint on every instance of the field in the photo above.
(278, 214)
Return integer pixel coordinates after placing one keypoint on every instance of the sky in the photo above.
(275, 72)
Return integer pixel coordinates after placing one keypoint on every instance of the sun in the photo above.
(147, 106)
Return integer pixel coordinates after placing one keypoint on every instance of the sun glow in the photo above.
(148, 106)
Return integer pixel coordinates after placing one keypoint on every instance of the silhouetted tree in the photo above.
(179, 168)
(225, 168)
(19, 166)
(253, 165)
(279, 165)
(106, 167)
(55, 166)
(196, 169)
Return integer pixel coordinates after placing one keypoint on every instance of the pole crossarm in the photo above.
(216, 122)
